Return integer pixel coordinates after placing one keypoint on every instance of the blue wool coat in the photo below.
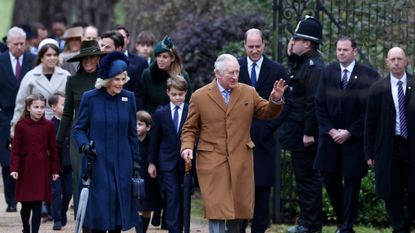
(111, 122)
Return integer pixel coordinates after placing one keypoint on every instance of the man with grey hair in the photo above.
(220, 117)
(14, 64)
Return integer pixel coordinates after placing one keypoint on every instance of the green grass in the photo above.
(6, 11)
(197, 215)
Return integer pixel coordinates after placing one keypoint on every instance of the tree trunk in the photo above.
(97, 12)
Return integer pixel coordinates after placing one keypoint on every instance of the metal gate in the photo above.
(376, 25)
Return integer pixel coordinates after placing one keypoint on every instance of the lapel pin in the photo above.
(409, 87)
(355, 77)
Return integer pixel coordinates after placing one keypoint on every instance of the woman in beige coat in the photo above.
(46, 78)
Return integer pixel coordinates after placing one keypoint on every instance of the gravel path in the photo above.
(11, 222)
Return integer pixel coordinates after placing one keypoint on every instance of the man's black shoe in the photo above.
(300, 229)
(11, 209)
(57, 226)
(155, 221)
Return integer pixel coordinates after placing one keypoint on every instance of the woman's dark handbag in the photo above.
(138, 183)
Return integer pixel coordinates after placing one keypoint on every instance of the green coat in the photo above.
(76, 85)
(153, 86)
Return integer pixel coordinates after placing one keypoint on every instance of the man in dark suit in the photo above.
(389, 140)
(260, 72)
(14, 64)
(340, 108)
(115, 41)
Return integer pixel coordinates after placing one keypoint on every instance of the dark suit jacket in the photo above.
(380, 131)
(9, 86)
(135, 69)
(262, 131)
(164, 149)
(342, 109)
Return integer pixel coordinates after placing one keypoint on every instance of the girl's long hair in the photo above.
(28, 101)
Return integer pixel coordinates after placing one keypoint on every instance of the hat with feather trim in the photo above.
(112, 64)
(166, 45)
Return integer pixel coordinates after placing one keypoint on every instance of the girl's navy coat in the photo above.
(111, 122)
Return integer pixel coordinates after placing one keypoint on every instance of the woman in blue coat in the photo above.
(107, 116)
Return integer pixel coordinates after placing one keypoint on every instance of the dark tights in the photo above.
(36, 208)
(117, 230)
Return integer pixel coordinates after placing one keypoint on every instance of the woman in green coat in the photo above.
(76, 85)
(153, 83)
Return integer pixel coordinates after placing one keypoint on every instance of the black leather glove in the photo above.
(89, 150)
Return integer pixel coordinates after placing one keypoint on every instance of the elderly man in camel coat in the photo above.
(219, 119)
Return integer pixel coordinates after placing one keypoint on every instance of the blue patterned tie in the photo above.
(253, 74)
(344, 79)
(226, 95)
(402, 116)
(176, 118)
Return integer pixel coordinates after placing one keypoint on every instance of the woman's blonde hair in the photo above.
(176, 66)
(100, 83)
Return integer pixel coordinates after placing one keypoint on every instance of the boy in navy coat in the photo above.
(62, 187)
(164, 151)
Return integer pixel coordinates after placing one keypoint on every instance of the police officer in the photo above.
(298, 132)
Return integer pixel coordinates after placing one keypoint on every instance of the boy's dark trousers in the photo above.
(61, 195)
(171, 183)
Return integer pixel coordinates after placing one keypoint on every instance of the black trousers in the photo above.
(33, 208)
(401, 204)
(309, 189)
(343, 193)
(261, 218)
(8, 183)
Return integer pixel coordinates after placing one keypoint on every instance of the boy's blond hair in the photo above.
(177, 82)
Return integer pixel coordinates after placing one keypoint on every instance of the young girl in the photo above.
(34, 163)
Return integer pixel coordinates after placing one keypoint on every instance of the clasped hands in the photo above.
(340, 135)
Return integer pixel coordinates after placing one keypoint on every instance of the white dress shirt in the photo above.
(13, 61)
(180, 111)
(349, 68)
(257, 67)
(394, 89)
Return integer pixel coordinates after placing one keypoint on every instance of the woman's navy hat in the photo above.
(112, 64)
(165, 45)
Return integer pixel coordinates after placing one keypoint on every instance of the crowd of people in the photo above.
(78, 109)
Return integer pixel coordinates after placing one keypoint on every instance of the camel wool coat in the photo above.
(224, 161)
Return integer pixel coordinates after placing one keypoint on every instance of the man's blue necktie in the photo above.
(344, 79)
(402, 116)
(176, 118)
(226, 95)
(253, 74)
